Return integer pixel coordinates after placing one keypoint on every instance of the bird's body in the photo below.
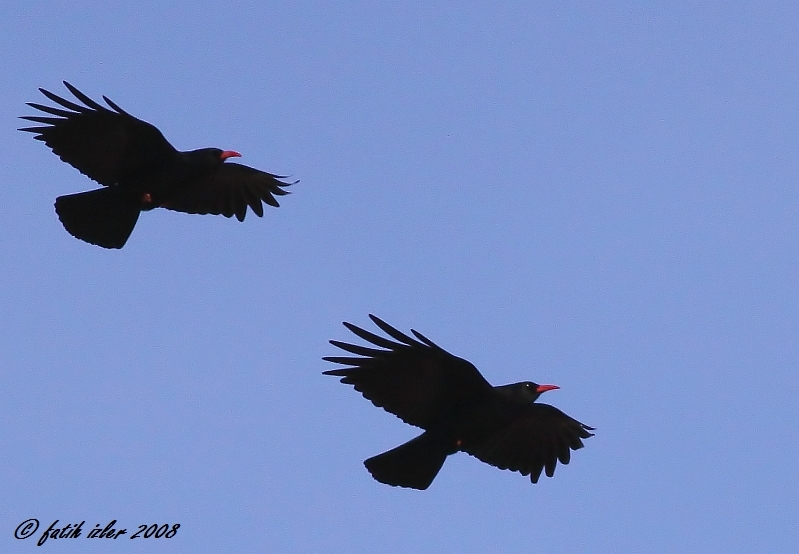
(141, 171)
(459, 410)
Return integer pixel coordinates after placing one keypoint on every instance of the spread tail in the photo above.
(104, 217)
(414, 464)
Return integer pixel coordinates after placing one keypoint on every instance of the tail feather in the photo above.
(413, 465)
(104, 217)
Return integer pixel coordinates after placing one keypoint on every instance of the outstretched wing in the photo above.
(414, 379)
(107, 145)
(228, 191)
(534, 441)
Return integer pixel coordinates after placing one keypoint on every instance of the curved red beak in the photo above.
(545, 388)
(229, 154)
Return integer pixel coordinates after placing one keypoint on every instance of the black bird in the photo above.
(459, 410)
(140, 171)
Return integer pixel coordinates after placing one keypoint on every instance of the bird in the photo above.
(458, 409)
(140, 170)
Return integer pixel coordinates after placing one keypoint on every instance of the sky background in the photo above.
(600, 197)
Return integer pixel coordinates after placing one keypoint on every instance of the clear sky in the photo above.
(601, 197)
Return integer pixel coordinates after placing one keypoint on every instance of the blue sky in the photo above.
(601, 197)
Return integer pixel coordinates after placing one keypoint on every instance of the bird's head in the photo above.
(209, 158)
(527, 391)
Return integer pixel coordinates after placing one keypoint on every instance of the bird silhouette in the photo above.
(426, 386)
(140, 170)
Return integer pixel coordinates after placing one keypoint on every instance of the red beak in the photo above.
(229, 154)
(545, 388)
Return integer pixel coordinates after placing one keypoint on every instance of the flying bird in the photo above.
(140, 170)
(459, 410)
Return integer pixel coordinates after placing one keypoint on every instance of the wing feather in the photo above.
(533, 442)
(229, 191)
(418, 382)
(107, 145)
